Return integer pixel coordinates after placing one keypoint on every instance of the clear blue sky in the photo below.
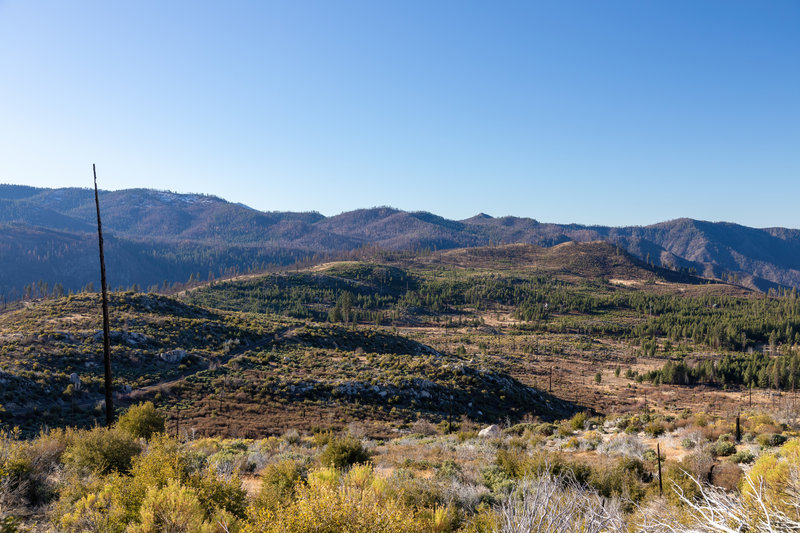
(603, 112)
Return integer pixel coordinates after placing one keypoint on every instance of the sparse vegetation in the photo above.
(354, 393)
(415, 482)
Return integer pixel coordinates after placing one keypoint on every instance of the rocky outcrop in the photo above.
(491, 432)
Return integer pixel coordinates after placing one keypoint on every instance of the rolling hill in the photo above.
(463, 333)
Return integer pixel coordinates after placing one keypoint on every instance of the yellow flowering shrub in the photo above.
(778, 471)
(165, 470)
(172, 508)
(142, 420)
(278, 481)
(353, 503)
(99, 511)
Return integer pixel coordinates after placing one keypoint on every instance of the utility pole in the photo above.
(106, 329)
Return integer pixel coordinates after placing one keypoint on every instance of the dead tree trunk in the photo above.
(106, 329)
(658, 456)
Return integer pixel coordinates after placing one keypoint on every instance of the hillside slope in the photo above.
(476, 333)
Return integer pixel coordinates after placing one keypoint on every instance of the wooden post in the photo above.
(550, 386)
(106, 329)
(658, 456)
(738, 429)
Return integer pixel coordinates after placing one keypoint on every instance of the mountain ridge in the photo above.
(216, 235)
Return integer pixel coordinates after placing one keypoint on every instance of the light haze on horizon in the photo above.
(610, 113)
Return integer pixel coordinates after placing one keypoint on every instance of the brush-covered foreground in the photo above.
(584, 474)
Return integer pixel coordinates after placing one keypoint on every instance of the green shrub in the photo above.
(519, 429)
(513, 463)
(27, 467)
(578, 421)
(624, 478)
(564, 430)
(172, 508)
(15, 476)
(413, 491)
(342, 452)
(164, 463)
(544, 462)
(654, 429)
(292, 437)
(770, 439)
(98, 510)
(634, 425)
(497, 480)
(102, 450)
(219, 494)
(463, 436)
(546, 429)
(231, 457)
(743, 456)
(724, 448)
(322, 438)
(449, 469)
(142, 421)
(679, 482)
(278, 482)
(324, 507)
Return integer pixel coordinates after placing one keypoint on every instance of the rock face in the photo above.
(174, 356)
(76, 381)
(491, 432)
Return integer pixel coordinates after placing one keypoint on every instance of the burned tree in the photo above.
(106, 329)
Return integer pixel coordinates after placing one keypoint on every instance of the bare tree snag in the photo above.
(106, 329)
(658, 456)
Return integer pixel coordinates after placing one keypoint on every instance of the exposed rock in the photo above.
(491, 432)
(76, 381)
(131, 338)
(174, 356)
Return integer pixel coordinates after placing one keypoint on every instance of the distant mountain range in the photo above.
(156, 236)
